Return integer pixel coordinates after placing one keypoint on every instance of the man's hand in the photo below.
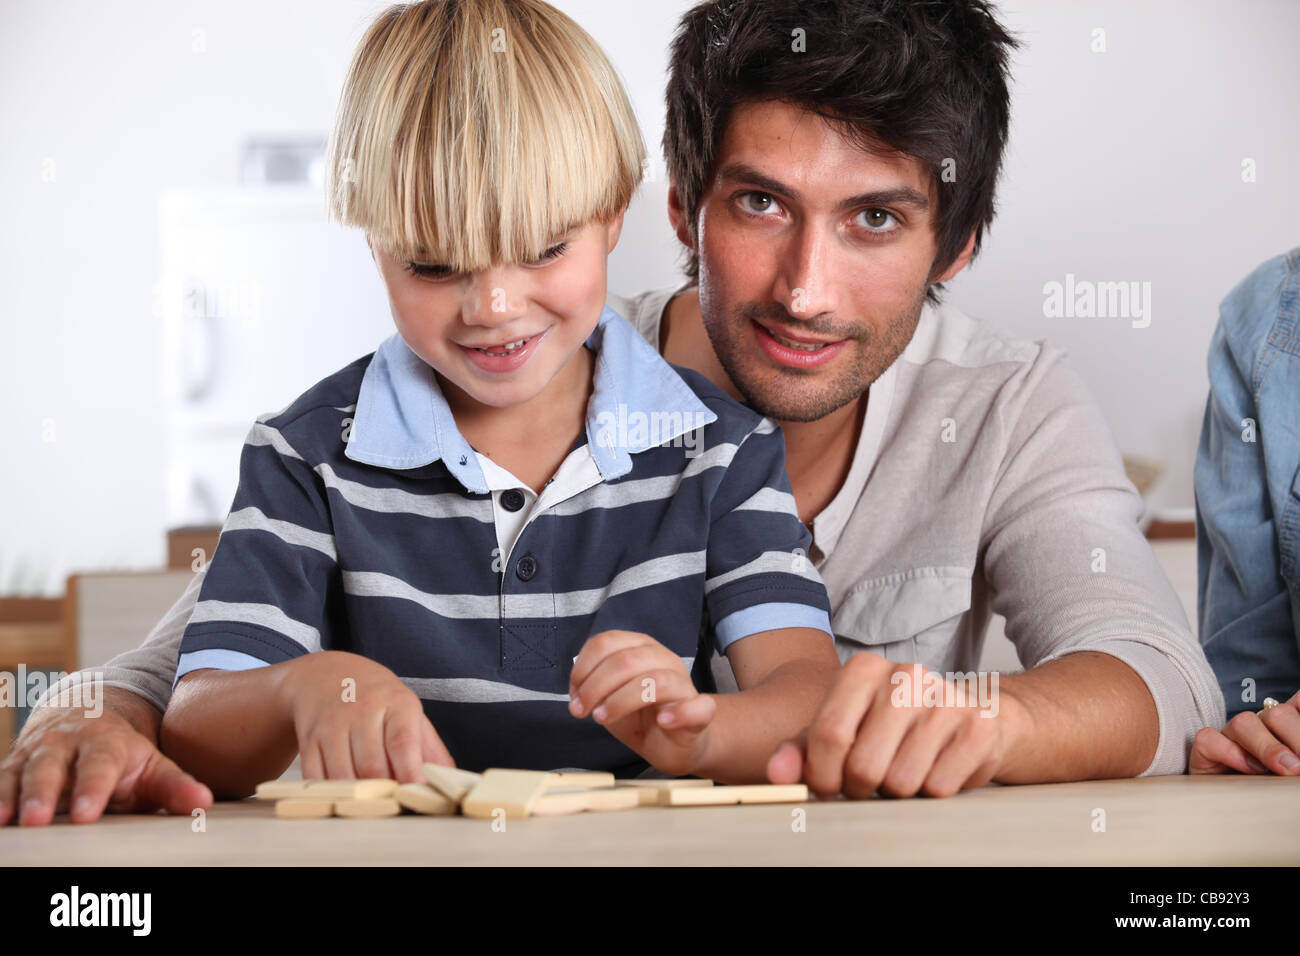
(870, 734)
(1263, 742)
(641, 692)
(66, 758)
(377, 729)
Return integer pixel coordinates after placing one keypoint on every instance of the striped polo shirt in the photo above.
(365, 522)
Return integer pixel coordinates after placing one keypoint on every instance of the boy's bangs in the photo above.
(477, 159)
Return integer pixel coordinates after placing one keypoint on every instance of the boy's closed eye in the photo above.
(443, 272)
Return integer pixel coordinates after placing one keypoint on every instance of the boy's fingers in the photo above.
(600, 646)
(368, 742)
(404, 742)
(690, 716)
(786, 763)
(643, 689)
(336, 753)
(636, 664)
(313, 764)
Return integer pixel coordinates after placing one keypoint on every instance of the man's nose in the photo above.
(804, 283)
(493, 297)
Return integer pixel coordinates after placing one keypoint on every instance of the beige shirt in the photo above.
(985, 479)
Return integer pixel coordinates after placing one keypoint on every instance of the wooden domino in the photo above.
(364, 808)
(303, 808)
(518, 793)
(585, 778)
(553, 804)
(422, 798)
(281, 789)
(722, 796)
(451, 782)
(653, 791)
(326, 789)
(664, 783)
(514, 791)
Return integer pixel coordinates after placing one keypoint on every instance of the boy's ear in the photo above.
(615, 229)
(677, 217)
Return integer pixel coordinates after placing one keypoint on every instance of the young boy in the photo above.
(513, 515)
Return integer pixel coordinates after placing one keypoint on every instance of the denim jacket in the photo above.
(1247, 480)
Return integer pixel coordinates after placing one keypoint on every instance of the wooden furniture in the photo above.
(182, 543)
(1158, 821)
(107, 613)
(32, 634)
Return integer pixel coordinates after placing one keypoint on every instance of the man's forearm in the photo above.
(1083, 716)
(750, 724)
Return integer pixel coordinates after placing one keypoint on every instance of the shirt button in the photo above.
(526, 567)
(512, 500)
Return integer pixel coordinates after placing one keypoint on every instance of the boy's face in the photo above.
(468, 326)
(805, 236)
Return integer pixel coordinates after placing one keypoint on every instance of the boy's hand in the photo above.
(641, 692)
(354, 719)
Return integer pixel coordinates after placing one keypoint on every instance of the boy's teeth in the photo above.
(507, 348)
(802, 346)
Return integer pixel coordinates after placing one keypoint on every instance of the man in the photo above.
(832, 163)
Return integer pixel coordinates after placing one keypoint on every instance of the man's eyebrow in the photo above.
(898, 196)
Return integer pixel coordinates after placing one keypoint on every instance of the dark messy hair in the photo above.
(926, 78)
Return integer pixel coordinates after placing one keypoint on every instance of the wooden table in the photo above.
(1228, 820)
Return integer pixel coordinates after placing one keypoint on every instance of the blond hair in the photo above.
(475, 132)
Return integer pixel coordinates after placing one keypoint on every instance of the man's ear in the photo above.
(960, 262)
(677, 216)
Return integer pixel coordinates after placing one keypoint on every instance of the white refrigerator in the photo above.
(261, 298)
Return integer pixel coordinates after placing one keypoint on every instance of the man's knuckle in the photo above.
(831, 733)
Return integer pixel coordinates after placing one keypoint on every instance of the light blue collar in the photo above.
(638, 401)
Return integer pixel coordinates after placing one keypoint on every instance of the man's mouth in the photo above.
(803, 345)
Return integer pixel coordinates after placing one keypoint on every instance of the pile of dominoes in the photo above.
(512, 793)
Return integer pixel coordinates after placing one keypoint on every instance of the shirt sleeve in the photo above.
(272, 589)
(759, 576)
(1071, 570)
(1244, 609)
(146, 671)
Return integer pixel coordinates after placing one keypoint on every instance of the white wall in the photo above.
(1124, 165)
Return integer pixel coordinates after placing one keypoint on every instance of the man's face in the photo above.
(815, 258)
(469, 326)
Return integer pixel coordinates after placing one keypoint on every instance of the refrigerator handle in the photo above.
(199, 381)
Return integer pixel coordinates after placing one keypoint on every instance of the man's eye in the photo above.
(758, 203)
(877, 220)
